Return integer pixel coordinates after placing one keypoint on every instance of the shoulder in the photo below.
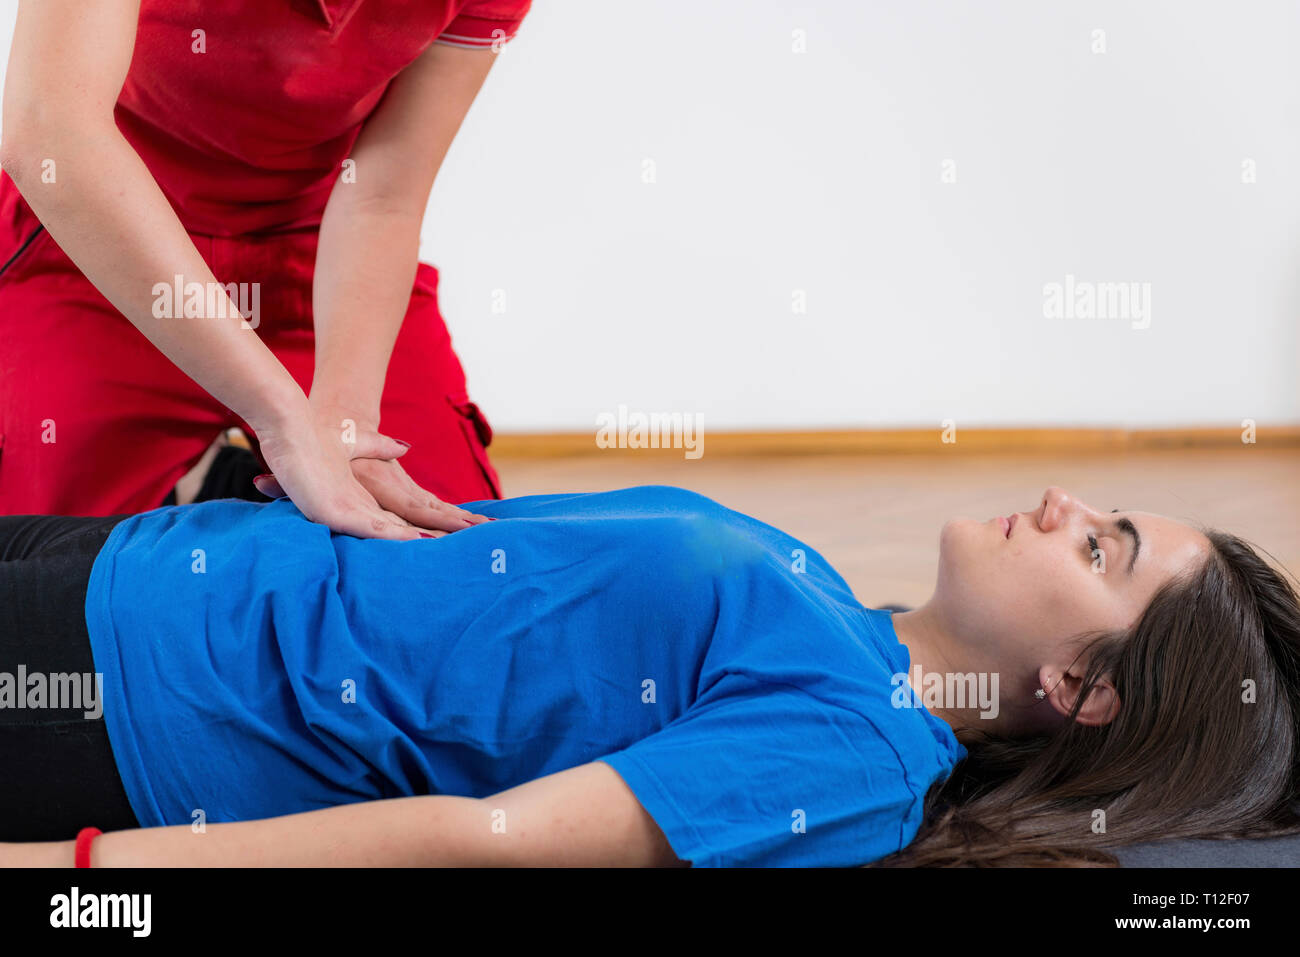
(484, 24)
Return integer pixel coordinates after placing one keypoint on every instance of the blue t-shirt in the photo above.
(255, 664)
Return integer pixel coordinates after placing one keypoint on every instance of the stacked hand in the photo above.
(342, 473)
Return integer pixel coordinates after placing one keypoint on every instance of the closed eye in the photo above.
(1127, 527)
(1092, 547)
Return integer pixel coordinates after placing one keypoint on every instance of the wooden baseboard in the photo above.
(908, 441)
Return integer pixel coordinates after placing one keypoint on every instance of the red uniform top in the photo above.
(246, 124)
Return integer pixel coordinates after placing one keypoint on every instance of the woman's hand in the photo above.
(340, 471)
(311, 463)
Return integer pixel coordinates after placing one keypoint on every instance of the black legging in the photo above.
(57, 772)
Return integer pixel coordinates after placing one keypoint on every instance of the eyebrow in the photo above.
(1128, 528)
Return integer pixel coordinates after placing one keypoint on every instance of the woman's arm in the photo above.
(370, 232)
(369, 249)
(585, 816)
(104, 209)
(102, 206)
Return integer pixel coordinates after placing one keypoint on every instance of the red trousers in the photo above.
(94, 420)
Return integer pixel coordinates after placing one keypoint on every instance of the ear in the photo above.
(1100, 708)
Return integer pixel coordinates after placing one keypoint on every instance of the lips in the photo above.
(1006, 526)
(1011, 522)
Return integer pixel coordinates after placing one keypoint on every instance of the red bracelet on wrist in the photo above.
(85, 837)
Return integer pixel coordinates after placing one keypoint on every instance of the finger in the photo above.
(457, 511)
(418, 498)
(372, 445)
(474, 518)
(268, 485)
(403, 529)
(419, 512)
(375, 523)
(421, 499)
(404, 495)
(419, 532)
(419, 507)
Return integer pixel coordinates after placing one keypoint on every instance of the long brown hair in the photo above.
(1206, 744)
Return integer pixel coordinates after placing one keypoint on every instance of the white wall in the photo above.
(821, 171)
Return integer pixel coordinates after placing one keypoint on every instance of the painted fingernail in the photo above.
(258, 478)
(405, 445)
(428, 535)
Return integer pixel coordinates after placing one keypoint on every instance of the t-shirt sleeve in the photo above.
(773, 777)
(482, 23)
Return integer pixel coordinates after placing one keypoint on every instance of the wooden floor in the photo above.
(876, 518)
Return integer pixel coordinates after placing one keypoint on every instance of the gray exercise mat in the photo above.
(1262, 852)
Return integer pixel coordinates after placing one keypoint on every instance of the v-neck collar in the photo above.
(336, 13)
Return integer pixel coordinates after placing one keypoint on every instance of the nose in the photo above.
(1056, 508)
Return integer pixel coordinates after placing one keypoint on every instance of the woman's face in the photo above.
(1058, 570)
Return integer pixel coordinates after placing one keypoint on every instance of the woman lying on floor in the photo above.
(635, 677)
